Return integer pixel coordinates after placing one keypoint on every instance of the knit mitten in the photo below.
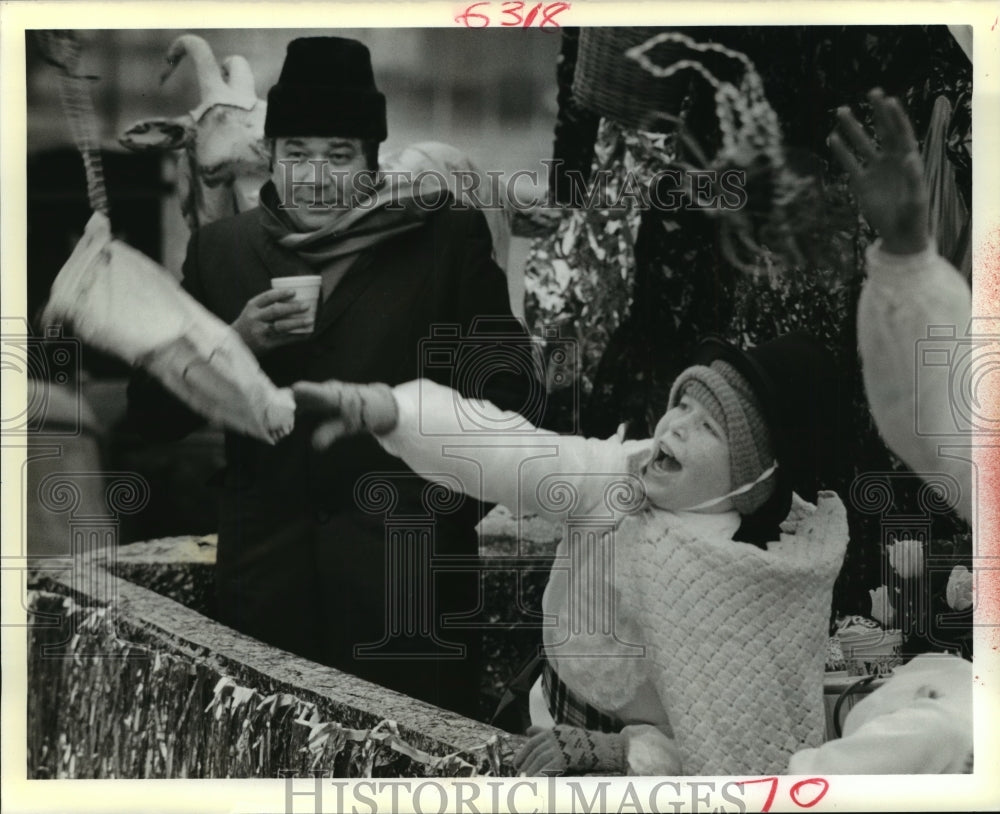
(346, 409)
(565, 749)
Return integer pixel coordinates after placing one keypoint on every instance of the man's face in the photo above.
(690, 461)
(317, 177)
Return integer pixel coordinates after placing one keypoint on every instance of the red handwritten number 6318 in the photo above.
(511, 15)
(800, 796)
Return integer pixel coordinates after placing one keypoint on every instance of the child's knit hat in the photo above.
(793, 387)
(727, 397)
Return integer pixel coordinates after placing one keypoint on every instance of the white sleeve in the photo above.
(922, 739)
(499, 457)
(908, 306)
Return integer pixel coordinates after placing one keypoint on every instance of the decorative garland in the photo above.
(62, 49)
(751, 141)
(581, 278)
(746, 104)
(101, 706)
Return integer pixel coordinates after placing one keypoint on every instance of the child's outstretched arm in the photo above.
(475, 447)
(909, 289)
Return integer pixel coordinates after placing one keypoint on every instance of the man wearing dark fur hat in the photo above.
(307, 553)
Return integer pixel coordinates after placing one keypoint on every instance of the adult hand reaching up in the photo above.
(887, 178)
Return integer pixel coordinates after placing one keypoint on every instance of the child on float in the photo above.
(687, 632)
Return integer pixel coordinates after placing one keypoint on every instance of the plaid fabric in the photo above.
(566, 707)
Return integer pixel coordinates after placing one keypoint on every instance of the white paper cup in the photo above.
(306, 288)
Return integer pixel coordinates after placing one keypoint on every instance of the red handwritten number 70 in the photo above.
(794, 792)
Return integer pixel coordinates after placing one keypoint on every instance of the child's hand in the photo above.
(346, 409)
(540, 755)
(888, 183)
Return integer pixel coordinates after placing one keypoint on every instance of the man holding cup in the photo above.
(338, 275)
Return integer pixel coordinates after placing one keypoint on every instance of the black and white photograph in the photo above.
(500, 406)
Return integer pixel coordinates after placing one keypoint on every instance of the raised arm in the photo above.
(903, 297)
(910, 290)
(494, 455)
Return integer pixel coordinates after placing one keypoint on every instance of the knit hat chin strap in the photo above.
(741, 490)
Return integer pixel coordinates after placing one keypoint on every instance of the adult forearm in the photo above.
(915, 309)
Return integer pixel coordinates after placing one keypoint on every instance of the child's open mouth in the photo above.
(663, 461)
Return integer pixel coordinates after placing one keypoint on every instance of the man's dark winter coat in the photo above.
(302, 560)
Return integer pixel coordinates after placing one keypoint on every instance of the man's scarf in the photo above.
(392, 210)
